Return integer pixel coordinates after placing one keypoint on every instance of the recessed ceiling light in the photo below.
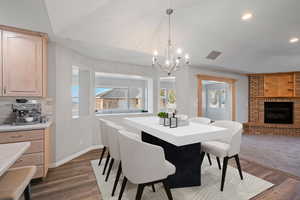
(247, 16)
(294, 40)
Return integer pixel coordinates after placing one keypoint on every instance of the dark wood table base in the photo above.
(185, 158)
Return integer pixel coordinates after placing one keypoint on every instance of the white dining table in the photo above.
(10, 153)
(182, 146)
(180, 136)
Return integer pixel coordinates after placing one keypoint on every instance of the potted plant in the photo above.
(162, 116)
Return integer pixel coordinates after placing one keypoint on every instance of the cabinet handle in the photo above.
(4, 90)
(16, 136)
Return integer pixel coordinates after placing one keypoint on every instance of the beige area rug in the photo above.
(234, 189)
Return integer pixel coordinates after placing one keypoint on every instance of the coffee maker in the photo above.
(27, 113)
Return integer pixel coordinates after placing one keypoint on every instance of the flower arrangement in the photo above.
(162, 115)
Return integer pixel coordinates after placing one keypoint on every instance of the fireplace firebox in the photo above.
(279, 112)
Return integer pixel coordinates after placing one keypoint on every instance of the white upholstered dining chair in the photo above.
(113, 145)
(143, 164)
(206, 121)
(104, 139)
(226, 148)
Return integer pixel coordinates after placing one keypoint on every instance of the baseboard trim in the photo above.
(75, 155)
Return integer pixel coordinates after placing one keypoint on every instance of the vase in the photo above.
(161, 121)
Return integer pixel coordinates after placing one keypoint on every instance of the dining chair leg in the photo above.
(237, 160)
(153, 187)
(117, 179)
(225, 162)
(109, 169)
(219, 163)
(202, 157)
(209, 160)
(106, 163)
(27, 192)
(122, 188)
(101, 157)
(139, 192)
(167, 189)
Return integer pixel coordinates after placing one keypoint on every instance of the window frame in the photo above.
(74, 116)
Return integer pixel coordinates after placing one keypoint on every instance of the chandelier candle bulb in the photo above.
(167, 62)
(179, 51)
(187, 56)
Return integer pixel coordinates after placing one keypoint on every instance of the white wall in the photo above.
(186, 91)
(71, 136)
(27, 14)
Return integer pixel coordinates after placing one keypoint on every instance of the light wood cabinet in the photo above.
(24, 63)
(279, 85)
(1, 89)
(38, 153)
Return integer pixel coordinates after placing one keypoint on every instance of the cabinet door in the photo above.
(286, 85)
(22, 65)
(271, 86)
(1, 88)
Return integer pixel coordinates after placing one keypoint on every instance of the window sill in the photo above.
(123, 114)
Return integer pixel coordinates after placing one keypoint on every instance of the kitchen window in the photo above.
(120, 94)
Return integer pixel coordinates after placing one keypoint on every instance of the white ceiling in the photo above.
(129, 31)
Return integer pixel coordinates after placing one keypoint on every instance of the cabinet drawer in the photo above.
(35, 147)
(20, 136)
(30, 159)
(39, 171)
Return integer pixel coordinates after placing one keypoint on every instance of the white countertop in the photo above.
(10, 153)
(180, 136)
(8, 127)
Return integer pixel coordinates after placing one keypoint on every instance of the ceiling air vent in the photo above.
(213, 55)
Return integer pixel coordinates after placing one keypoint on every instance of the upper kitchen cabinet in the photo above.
(1, 88)
(24, 64)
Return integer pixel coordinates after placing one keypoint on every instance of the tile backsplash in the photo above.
(7, 116)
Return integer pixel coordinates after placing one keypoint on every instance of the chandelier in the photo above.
(174, 57)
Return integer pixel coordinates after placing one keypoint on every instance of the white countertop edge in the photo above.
(9, 128)
(18, 149)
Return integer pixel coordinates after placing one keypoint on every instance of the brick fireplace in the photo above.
(259, 96)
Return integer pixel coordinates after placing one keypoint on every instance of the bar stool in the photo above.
(15, 182)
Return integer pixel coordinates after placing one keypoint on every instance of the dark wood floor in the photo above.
(75, 180)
